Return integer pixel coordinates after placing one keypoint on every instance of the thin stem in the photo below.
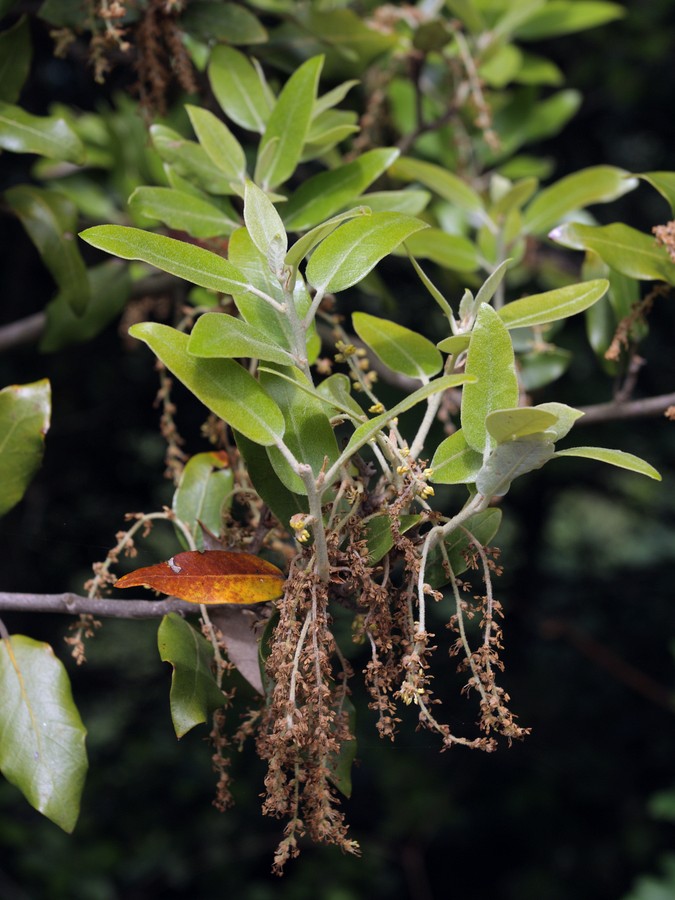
(294, 673)
(311, 312)
(462, 630)
(73, 604)
(433, 404)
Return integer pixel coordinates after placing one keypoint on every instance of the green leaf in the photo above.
(536, 70)
(346, 32)
(179, 258)
(194, 693)
(51, 222)
(379, 536)
(353, 250)
(507, 424)
(223, 336)
(409, 201)
(272, 323)
(221, 146)
(49, 136)
(539, 309)
(491, 284)
(287, 126)
(333, 97)
(664, 182)
(337, 391)
(25, 411)
(340, 763)
(308, 241)
(264, 225)
(454, 462)
(308, 433)
(490, 360)
(565, 17)
(623, 248)
(455, 344)
(212, 20)
(614, 458)
(513, 198)
(283, 503)
(444, 183)
(190, 160)
(598, 184)
(399, 348)
(181, 211)
(42, 748)
(537, 368)
(368, 430)
(239, 88)
(483, 526)
(222, 385)
(565, 416)
(204, 492)
(510, 460)
(319, 197)
(109, 287)
(448, 250)
(15, 59)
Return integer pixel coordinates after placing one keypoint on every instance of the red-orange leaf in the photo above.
(212, 576)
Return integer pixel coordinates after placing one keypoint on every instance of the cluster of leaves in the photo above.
(267, 212)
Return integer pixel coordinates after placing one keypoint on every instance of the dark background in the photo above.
(566, 815)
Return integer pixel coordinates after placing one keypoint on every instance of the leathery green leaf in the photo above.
(194, 693)
(510, 460)
(109, 287)
(539, 309)
(613, 458)
(181, 211)
(15, 59)
(399, 348)
(239, 88)
(454, 462)
(42, 748)
(623, 248)
(308, 241)
(482, 527)
(204, 492)
(324, 194)
(51, 222)
(211, 20)
(222, 385)
(598, 184)
(507, 424)
(448, 250)
(354, 249)
(21, 132)
(220, 144)
(286, 129)
(176, 257)
(368, 430)
(221, 336)
(490, 359)
(563, 17)
(309, 434)
(190, 160)
(25, 411)
(664, 182)
(264, 224)
(379, 537)
(340, 763)
(565, 416)
(283, 503)
(447, 185)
